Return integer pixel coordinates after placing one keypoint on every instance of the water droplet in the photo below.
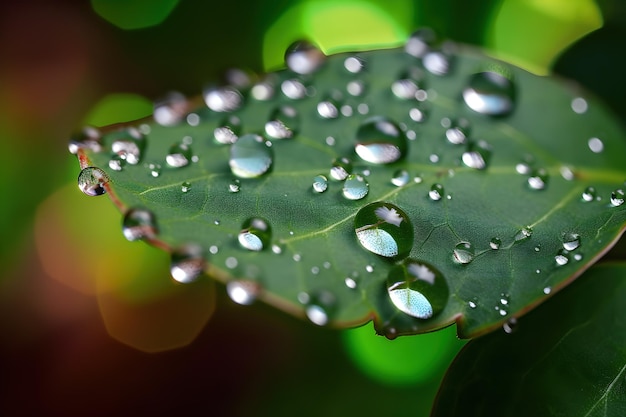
(185, 186)
(579, 105)
(510, 325)
(117, 163)
(193, 119)
(154, 170)
(538, 179)
(88, 138)
(562, 257)
(129, 145)
(538, 248)
(547, 290)
(303, 57)
(490, 93)
(473, 303)
(356, 88)
(436, 192)
(293, 89)
(250, 157)
(178, 156)
(243, 292)
(400, 178)
(171, 109)
(231, 262)
(417, 288)
(380, 141)
(350, 283)
(463, 253)
(320, 183)
(404, 89)
(523, 234)
(187, 264)
(384, 229)
(234, 186)
(437, 62)
(418, 114)
(458, 131)
(567, 173)
(223, 99)
(495, 243)
(228, 131)
(522, 168)
(571, 241)
(255, 234)
(578, 256)
(327, 109)
(477, 155)
(355, 187)
(420, 42)
(589, 194)
(596, 145)
(92, 181)
(283, 123)
(617, 197)
(341, 168)
(354, 64)
(139, 224)
(320, 307)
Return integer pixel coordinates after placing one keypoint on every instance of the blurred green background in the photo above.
(91, 324)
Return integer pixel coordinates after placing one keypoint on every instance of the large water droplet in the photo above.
(463, 253)
(92, 181)
(380, 141)
(420, 42)
(187, 264)
(341, 168)
(355, 187)
(139, 224)
(243, 292)
(88, 138)
(571, 241)
(490, 93)
(179, 155)
(303, 57)
(128, 144)
(223, 99)
(283, 123)
(417, 288)
(250, 157)
(436, 192)
(384, 229)
(171, 109)
(255, 234)
(320, 183)
(617, 197)
(477, 155)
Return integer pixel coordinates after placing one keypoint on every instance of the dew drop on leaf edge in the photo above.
(187, 264)
(139, 224)
(92, 181)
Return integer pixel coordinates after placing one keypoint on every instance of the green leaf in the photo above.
(565, 358)
(514, 180)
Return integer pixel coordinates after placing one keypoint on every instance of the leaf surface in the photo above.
(514, 183)
(565, 358)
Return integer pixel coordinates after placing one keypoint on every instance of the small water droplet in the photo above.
(243, 292)
(355, 187)
(228, 131)
(262, 91)
(420, 42)
(320, 307)
(88, 138)
(562, 257)
(538, 179)
(477, 155)
(92, 181)
(350, 283)
(589, 194)
(250, 157)
(354, 64)
(356, 88)
(510, 325)
(473, 303)
(154, 170)
(293, 89)
(303, 57)
(463, 253)
(523, 234)
(380, 141)
(117, 163)
(522, 168)
(187, 264)
(495, 243)
(234, 186)
(567, 173)
(436, 192)
(571, 241)
(178, 156)
(341, 168)
(417, 114)
(617, 197)
(384, 229)
(223, 99)
(185, 186)
(255, 234)
(139, 224)
(458, 131)
(490, 93)
(578, 256)
(193, 119)
(320, 183)
(579, 105)
(400, 178)
(437, 62)
(547, 290)
(171, 109)
(595, 145)
(231, 262)
(404, 89)
(129, 145)
(328, 109)
(417, 288)
(283, 123)
(369, 268)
